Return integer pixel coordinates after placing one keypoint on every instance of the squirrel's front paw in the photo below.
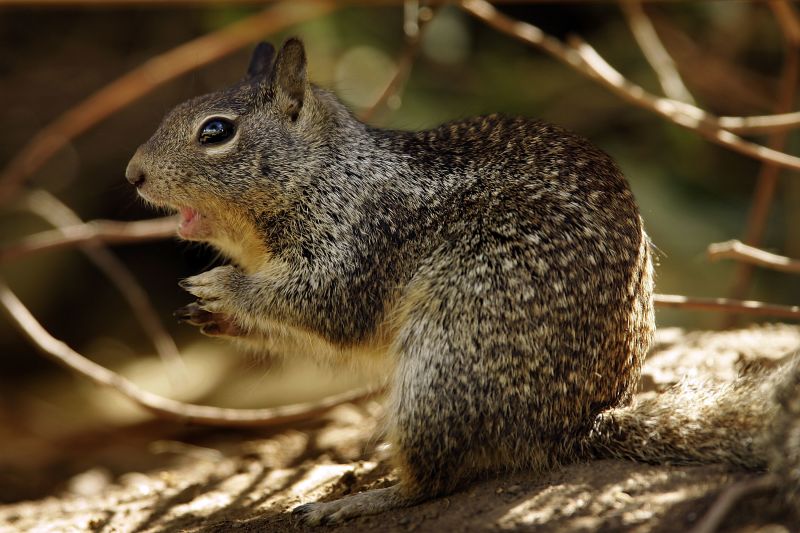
(215, 289)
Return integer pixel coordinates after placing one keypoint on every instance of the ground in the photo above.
(159, 476)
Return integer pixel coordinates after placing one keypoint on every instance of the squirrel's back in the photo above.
(542, 276)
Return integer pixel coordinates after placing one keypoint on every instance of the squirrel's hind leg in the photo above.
(430, 434)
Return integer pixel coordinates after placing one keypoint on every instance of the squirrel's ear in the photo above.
(289, 75)
(261, 61)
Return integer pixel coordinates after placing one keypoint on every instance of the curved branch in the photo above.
(59, 352)
(654, 51)
(735, 249)
(402, 71)
(92, 233)
(714, 517)
(584, 59)
(151, 74)
(50, 208)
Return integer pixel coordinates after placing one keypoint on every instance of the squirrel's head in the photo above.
(230, 160)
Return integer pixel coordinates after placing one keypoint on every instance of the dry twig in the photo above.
(655, 53)
(735, 249)
(764, 194)
(585, 59)
(726, 305)
(404, 64)
(143, 79)
(760, 123)
(92, 233)
(159, 405)
(730, 497)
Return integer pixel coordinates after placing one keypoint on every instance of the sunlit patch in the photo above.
(577, 506)
(205, 504)
(312, 485)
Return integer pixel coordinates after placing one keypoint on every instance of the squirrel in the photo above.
(497, 266)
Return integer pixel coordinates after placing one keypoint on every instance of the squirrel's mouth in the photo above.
(193, 225)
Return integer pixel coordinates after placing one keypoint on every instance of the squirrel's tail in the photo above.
(736, 423)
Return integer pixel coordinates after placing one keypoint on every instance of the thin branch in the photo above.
(140, 81)
(50, 208)
(764, 195)
(401, 73)
(727, 305)
(584, 59)
(713, 519)
(163, 407)
(760, 123)
(395, 85)
(739, 251)
(742, 84)
(786, 18)
(683, 114)
(654, 51)
(92, 233)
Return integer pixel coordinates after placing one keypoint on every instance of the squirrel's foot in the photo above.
(361, 504)
(211, 324)
(215, 289)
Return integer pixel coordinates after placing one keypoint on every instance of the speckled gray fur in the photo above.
(497, 266)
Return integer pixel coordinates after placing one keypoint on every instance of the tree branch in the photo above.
(727, 305)
(760, 123)
(404, 64)
(739, 251)
(767, 182)
(159, 405)
(654, 51)
(713, 519)
(92, 233)
(584, 59)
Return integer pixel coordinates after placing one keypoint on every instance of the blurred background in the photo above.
(691, 192)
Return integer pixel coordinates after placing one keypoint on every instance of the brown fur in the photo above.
(496, 267)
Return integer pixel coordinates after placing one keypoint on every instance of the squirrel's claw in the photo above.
(211, 324)
(304, 513)
(193, 314)
(364, 503)
(310, 514)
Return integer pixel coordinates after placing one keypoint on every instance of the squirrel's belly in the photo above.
(290, 341)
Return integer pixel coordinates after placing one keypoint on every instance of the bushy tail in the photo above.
(744, 423)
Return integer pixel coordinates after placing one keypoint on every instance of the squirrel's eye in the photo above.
(216, 130)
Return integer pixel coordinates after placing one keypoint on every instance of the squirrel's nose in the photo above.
(135, 174)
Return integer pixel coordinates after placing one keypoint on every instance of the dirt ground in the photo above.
(157, 476)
